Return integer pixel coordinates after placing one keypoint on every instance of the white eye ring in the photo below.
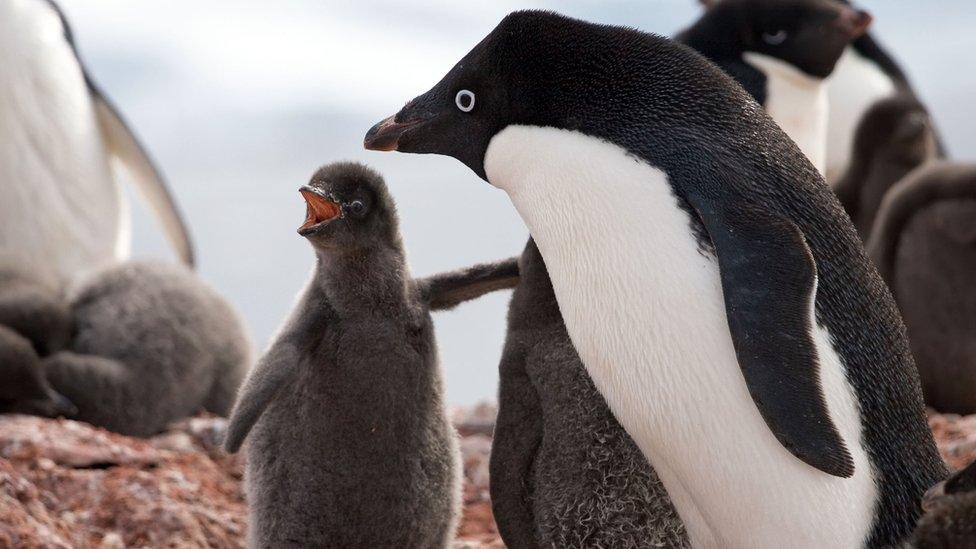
(458, 100)
(775, 38)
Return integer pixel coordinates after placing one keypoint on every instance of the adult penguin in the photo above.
(782, 52)
(865, 75)
(717, 293)
(62, 211)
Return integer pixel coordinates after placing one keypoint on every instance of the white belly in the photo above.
(61, 207)
(645, 310)
(798, 103)
(854, 87)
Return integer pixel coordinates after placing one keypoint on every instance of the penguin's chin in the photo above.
(319, 211)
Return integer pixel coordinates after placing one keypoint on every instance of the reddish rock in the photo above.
(65, 484)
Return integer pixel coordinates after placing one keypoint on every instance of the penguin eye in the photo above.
(775, 38)
(357, 207)
(464, 100)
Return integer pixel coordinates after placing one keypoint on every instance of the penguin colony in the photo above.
(700, 352)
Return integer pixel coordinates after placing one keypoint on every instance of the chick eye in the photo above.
(775, 38)
(357, 207)
(464, 100)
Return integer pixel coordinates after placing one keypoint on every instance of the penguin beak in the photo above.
(854, 23)
(319, 210)
(385, 134)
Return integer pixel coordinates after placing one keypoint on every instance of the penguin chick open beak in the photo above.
(385, 135)
(319, 210)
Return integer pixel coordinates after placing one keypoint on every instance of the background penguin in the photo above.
(714, 288)
(34, 307)
(23, 387)
(950, 514)
(924, 244)
(564, 473)
(894, 138)
(351, 445)
(781, 51)
(58, 134)
(151, 344)
(864, 75)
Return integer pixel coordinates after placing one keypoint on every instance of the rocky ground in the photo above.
(67, 484)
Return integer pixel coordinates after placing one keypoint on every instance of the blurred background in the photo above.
(240, 101)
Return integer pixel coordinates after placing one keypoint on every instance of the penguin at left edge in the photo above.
(716, 292)
(61, 144)
(781, 52)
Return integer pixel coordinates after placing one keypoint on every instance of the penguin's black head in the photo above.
(811, 35)
(458, 116)
(535, 68)
(23, 386)
(896, 132)
(348, 207)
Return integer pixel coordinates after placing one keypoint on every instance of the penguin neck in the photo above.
(365, 280)
(798, 103)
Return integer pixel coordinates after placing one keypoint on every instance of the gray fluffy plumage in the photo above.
(895, 137)
(136, 347)
(351, 445)
(564, 473)
(950, 514)
(151, 344)
(924, 244)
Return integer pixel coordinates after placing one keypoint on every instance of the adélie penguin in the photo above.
(717, 293)
(865, 75)
(781, 51)
(63, 212)
(924, 245)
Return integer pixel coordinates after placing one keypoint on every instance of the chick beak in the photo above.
(318, 210)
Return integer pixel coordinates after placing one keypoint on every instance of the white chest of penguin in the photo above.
(856, 85)
(798, 103)
(52, 158)
(645, 310)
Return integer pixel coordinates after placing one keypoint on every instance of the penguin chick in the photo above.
(950, 513)
(563, 472)
(33, 307)
(350, 445)
(924, 245)
(895, 137)
(23, 387)
(152, 344)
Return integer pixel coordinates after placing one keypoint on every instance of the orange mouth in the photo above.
(318, 210)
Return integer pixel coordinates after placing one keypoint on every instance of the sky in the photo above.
(240, 101)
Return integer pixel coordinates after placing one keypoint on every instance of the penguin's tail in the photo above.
(445, 291)
(936, 182)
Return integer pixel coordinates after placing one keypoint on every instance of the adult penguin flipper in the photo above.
(769, 280)
(273, 371)
(128, 152)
